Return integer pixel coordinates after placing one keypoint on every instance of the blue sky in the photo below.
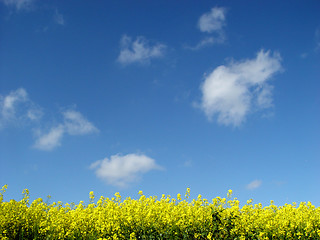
(158, 96)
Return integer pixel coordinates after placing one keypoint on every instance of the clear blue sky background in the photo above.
(158, 96)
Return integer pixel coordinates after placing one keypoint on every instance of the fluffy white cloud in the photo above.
(254, 184)
(50, 140)
(18, 4)
(74, 124)
(139, 50)
(121, 170)
(230, 91)
(212, 21)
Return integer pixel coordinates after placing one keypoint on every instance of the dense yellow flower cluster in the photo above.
(153, 218)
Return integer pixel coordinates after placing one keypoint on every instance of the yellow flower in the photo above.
(179, 196)
(162, 218)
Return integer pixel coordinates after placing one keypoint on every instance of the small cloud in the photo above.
(212, 21)
(58, 18)
(254, 184)
(50, 140)
(76, 124)
(207, 42)
(121, 170)
(9, 103)
(18, 4)
(139, 51)
(17, 108)
(34, 113)
(230, 92)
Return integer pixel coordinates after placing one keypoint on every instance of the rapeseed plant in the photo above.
(153, 218)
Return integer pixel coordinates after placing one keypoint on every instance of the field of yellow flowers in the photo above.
(156, 218)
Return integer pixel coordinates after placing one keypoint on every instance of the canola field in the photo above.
(156, 218)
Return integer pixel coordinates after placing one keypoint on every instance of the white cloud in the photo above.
(73, 124)
(139, 51)
(121, 170)
(207, 42)
(18, 4)
(9, 103)
(34, 113)
(58, 18)
(254, 184)
(213, 21)
(50, 140)
(264, 96)
(17, 108)
(230, 91)
(76, 124)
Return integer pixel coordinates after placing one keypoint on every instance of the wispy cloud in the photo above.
(34, 113)
(50, 140)
(9, 103)
(254, 184)
(121, 170)
(139, 50)
(231, 91)
(74, 124)
(58, 17)
(206, 42)
(17, 108)
(18, 4)
(212, 21)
